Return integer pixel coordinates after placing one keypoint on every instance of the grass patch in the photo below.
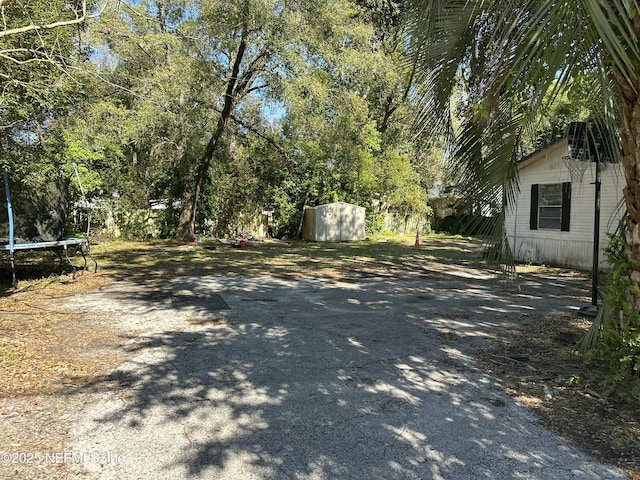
(158, 259)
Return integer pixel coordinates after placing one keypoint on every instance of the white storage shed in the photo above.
(334, 222)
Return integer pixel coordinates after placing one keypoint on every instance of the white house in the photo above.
(334, 222)
(552, 221)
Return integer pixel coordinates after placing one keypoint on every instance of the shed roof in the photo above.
(339, 203)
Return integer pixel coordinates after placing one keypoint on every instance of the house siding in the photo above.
(573, 248)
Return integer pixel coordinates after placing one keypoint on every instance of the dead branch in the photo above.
(49, 26)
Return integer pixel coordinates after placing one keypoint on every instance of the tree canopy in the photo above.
(217, 108)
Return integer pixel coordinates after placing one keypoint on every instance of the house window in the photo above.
(550, 206)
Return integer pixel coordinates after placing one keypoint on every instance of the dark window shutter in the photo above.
(533, 219)
(566, 206)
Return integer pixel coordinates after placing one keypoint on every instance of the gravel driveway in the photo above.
(264, 378)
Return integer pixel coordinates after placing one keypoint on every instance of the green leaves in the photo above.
(491, 72)
(176, 101)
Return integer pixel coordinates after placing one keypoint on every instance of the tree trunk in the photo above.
(630, 136)
(189, 202)
(183, 183)
(162, 23)
(238, 86)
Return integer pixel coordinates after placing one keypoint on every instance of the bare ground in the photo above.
(539, 366)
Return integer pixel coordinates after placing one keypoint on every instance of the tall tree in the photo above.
(38, 42)
(504, 57)
(243, 40)
(182, 86)
(349, 109)
(137, 120)
(269, 47)
(405, 162)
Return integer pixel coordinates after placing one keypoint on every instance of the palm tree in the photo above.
(496, 60)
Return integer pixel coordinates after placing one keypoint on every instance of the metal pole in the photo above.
(84, 197)
(596, 232)
(5, 178)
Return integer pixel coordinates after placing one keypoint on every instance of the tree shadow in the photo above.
(308, 378)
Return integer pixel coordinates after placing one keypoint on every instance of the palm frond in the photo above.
(612, 23)
(503, 62)
(589, 340)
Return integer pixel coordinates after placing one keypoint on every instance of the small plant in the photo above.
(614, 336)
(573, 381)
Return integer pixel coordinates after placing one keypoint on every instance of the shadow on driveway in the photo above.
(266, 378)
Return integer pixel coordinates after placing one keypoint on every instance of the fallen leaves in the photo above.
(41, 345)
(539, 368)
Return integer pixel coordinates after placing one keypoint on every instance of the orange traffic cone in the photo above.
(417, 244)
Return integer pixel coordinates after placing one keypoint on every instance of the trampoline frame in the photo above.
(59, 246)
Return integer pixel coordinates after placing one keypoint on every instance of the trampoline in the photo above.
(36, 221)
